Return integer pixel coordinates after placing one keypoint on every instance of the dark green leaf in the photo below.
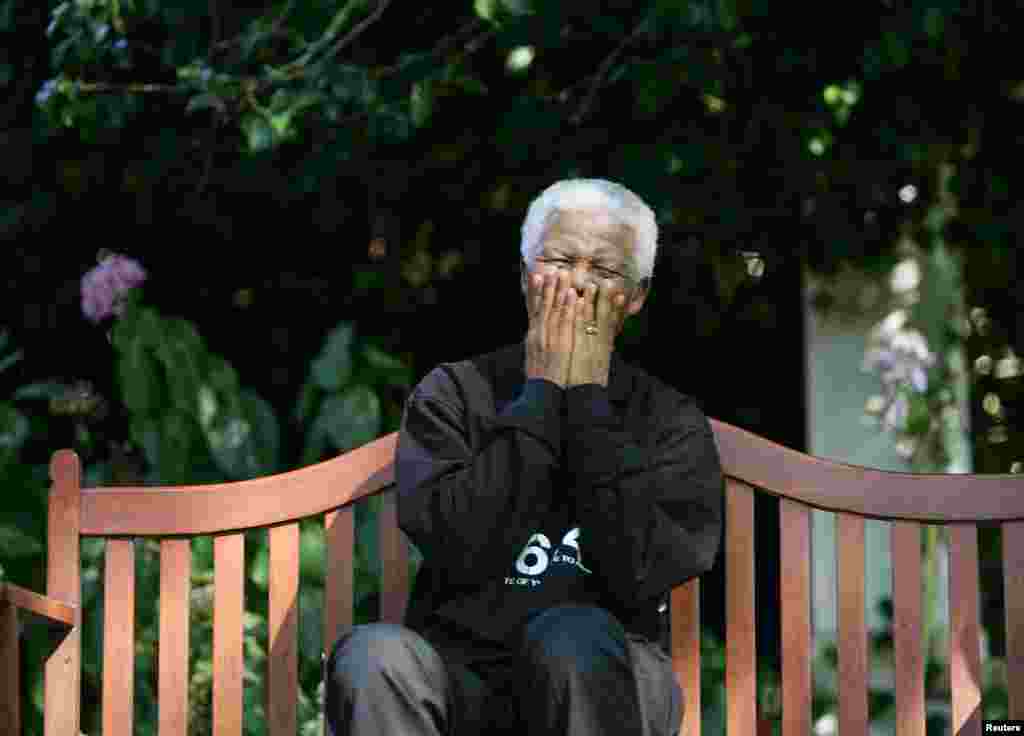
(311, 620)
(415, 67)
(351, 418)
(368, 543)
(139, 379)
(15, 543)
(9, 360)
(309, 397)
(145, 433)
(386, 368)
(205, 101)
(181, 352)
(41, 390)
(264, 447)
(178, 433)
(312, 553)
(422, 103)
(332, 369)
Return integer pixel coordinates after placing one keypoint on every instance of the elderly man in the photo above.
(557, 494)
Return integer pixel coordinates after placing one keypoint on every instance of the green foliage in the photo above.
(196, 423)
(188, 409)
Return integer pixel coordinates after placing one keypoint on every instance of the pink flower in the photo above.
(104, 287)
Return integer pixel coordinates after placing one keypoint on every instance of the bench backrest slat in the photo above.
(1013, 581)
(175, 589)
(339, 534)
(908, 649)
(118, 637)
(63, 582)
(795, 616)
(852, 627)
(684, 609)
(228, 632)
(740, 660)
(964, 644)
(283, 631)
(394, 556)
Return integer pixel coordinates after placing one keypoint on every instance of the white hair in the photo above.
(614, 200)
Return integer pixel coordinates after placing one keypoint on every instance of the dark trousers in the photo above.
(575, 672)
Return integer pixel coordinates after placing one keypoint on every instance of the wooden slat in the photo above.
(175, 587)
(339, 534)
(795, 601)
(244, 504)
(908, 645)
(63, 582)
(10, 680)
(837, 486)
(394, 555)
(283, 647)
(228, 633)
(852, 625)
(118, 637)
(964, 644)
(1013, 580)
(740, 652)
(685, 633)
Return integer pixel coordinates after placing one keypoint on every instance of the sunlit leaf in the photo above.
(258, 134)
(422, 102)
(40, 390)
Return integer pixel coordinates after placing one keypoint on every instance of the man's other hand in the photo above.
(550, 338)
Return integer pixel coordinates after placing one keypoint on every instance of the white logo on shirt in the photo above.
(537, 547)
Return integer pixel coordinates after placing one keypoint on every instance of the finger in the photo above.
(600, 306)
(537, 293)
(548, 297)
(558, 300)
(590, 304)
(617, 301)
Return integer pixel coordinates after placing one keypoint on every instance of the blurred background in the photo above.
(234, 235)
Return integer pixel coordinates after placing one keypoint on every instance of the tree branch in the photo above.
(602, 72)
(360, 27)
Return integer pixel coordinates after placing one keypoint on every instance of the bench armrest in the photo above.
(52, 610)
(59, 617)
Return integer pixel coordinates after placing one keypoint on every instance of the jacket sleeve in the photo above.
(460, 491)
(651, 515)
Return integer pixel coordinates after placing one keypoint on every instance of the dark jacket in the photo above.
(522, 495)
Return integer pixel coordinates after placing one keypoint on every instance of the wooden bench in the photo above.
(329, 489)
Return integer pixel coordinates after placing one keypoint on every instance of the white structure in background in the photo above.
(838, 390)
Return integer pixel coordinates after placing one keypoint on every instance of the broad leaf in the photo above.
(386, 368)
(139, 377)
(352, 418)
(15, 543)
(332, 369)
(13, 428)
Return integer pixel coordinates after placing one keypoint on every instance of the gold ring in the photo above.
(591, 329)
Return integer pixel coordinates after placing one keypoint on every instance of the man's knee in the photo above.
(373, 650)
(574, 639)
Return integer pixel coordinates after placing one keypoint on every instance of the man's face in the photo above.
(592, 249)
